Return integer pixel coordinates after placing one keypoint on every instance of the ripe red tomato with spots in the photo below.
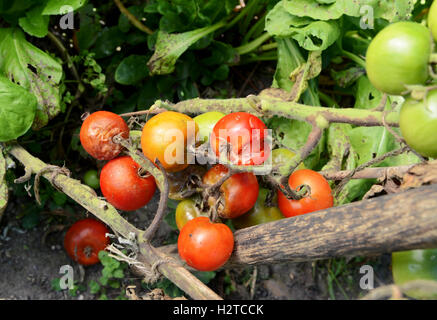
(85, 239)
(238, 193)
(320, 196)
(97, 132)
(245, 134)
(204, 245)
(123, 186)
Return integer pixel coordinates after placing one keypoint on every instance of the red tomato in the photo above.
(97, 132)
(204, 245)
(320, 197)
(85, 239)
(246, 134)
(239, 192)
(123, 187)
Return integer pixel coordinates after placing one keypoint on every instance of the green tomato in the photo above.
(91, 178)
(206, 123)
(258, 214)
(418, 124)
(432, 20)
(281, 157)
(186, 211)
(399, 56)
(415, 265)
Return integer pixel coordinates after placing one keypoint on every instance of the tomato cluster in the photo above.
(239, 138)
(398, 62)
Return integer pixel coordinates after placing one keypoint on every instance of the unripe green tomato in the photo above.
(418, 124)
(399, 56)
(186, 210)
(206, 123)
(281, 157)
(259, 213)
(91, 178)
(432, 20)
(415, 265)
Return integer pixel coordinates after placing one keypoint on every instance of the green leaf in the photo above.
(205, 276)
(131, 70)
(107, 41)
(332, 10)
(94, 287)
(54, 7)
(59, 198)
(17, 110)
(34, 70)
(311, 35)
(34, 23)
(169, 47)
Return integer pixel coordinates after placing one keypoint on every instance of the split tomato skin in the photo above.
(97, 132)
(123, 187)
(399, 56)
(204, 245)
(320, 198)
(239, 192)
(166, 136)
(85, 239)
(246, 134)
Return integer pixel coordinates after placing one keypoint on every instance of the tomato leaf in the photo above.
(34, 70)
(55, 7)
(17, 110)
(131, 70)
(169, 47)
(34, 23)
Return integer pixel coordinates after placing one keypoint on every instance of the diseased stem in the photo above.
(368, 173)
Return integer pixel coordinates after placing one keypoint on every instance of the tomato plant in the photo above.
(184, 181)
(91, 178)
(245, 134)
(260, 213)
(238, 193)
(319, 197)
(418, 124)
(165, 137)
(399, 56)
(206, 123)
(204, 245)
(413, 265)
(186, 211)
(85, 239)
(97, 132)
(123, 186)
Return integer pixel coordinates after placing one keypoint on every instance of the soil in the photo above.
(28, 265)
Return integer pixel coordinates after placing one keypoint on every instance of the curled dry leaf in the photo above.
(419, 175)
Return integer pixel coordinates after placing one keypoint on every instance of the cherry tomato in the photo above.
(238, 194)
(165, 137)
(418, 124)
(320, 197)
(415, 265)
(399, 56)
(122, 185)
(432, 19)
(259, 213)
(281, 157)
(85, 239)
(91, 178)
(204, 245)
(186, 211)
(246, 134)
(206, 123)
(97, 131)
